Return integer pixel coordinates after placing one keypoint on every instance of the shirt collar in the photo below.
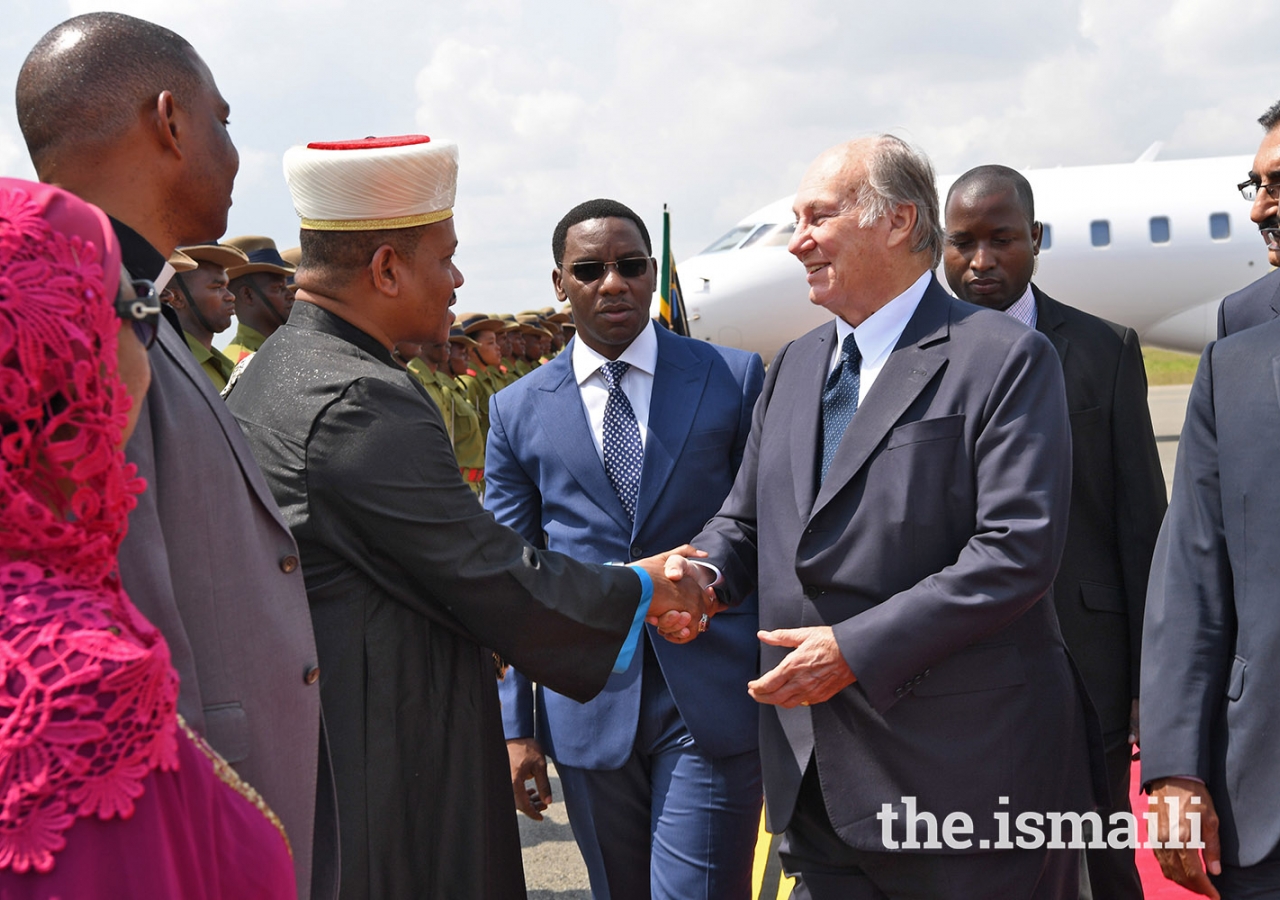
(139, 257)
(879, 333)
(642, 354)
(1024, 310)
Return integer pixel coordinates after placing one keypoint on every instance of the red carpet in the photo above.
(1154, 884)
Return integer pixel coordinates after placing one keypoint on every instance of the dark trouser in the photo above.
(1113, 874)
(1260, 881)
(826, 868)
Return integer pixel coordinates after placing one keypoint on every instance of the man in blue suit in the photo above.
(630, 440)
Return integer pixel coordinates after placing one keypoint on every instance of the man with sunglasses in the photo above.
(629, 441)
(262, 295)
(1260, 301)
(204, 305)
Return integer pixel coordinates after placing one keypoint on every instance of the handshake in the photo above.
(683, 599)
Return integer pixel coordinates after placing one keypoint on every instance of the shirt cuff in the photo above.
(623, 662)
(719, 579)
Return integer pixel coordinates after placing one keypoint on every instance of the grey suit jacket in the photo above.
(1211, 648)
(929, 548)
(1252, 305)
(1117, 504)
(209, 560)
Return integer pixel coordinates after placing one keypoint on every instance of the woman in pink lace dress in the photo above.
(104, 791)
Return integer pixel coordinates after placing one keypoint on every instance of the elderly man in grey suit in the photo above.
(1259, 302)
(208, 558)
(902, 506)
(1211, 645)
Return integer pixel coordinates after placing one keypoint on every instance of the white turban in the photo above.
(372, 184)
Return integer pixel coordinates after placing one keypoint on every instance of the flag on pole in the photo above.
(671, 304)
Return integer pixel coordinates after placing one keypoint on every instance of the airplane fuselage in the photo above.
(1151, 245)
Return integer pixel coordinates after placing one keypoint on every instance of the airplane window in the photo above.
(781, 237)
(1100, 232)
(756, 235)
(730, 240)
(1219, 226)
(1046, 235)
(1159, 229)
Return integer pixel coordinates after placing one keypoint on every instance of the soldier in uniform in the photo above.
(204, 305)
(261, 289)
(483, 378)
(460, 417)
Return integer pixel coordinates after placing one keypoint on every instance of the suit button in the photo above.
(636, 552)
(812, 592)
(898, 692)
(312, 675)
(289, 564)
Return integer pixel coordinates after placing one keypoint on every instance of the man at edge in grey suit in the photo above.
(912, 662)
(1260, 301)
(125, 114)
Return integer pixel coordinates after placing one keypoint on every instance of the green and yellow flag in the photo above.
(671, 305)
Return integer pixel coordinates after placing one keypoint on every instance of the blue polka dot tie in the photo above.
(623, 452)
(840, 401)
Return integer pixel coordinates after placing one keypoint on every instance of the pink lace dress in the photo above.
(104, 791)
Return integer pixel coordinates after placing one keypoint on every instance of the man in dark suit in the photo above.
(1260, 301)
(1117, 487)
(208, 558)
(1211, 648)
(912, 662)
(667, 754)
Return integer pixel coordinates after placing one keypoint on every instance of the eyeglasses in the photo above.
(142, 310)
(589, 271)
(1249, 189)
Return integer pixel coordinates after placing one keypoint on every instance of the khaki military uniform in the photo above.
(247, 341)
(214, 364)
(461, 420)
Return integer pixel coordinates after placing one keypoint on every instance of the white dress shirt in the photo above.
(637, 383)
(879, 334)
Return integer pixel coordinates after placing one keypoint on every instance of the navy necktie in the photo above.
(840, 400)
(623, 452)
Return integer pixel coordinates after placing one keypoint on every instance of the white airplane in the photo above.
(1151, 245)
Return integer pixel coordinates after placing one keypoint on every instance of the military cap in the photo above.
(262, 256)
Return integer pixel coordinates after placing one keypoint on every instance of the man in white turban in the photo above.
(409, 579)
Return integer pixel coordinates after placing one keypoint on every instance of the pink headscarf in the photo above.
(87, 693)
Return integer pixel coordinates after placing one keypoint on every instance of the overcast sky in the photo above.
(712, 107)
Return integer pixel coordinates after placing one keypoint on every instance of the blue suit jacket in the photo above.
(545, 479)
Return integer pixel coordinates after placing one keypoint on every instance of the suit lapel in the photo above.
(174, 345)
(560, 409)
(813, 355)
(1048, 320)
(678, 381)
(910, 367)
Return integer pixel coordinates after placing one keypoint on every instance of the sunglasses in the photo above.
(631, 267)
(141, 310)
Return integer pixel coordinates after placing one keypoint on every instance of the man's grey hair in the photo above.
(898, 173)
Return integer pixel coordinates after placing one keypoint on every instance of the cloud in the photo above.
(711, 107)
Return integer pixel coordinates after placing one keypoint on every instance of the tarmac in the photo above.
(553, 867)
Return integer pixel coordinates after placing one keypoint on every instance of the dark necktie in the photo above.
(840, 401)
(623, 452)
